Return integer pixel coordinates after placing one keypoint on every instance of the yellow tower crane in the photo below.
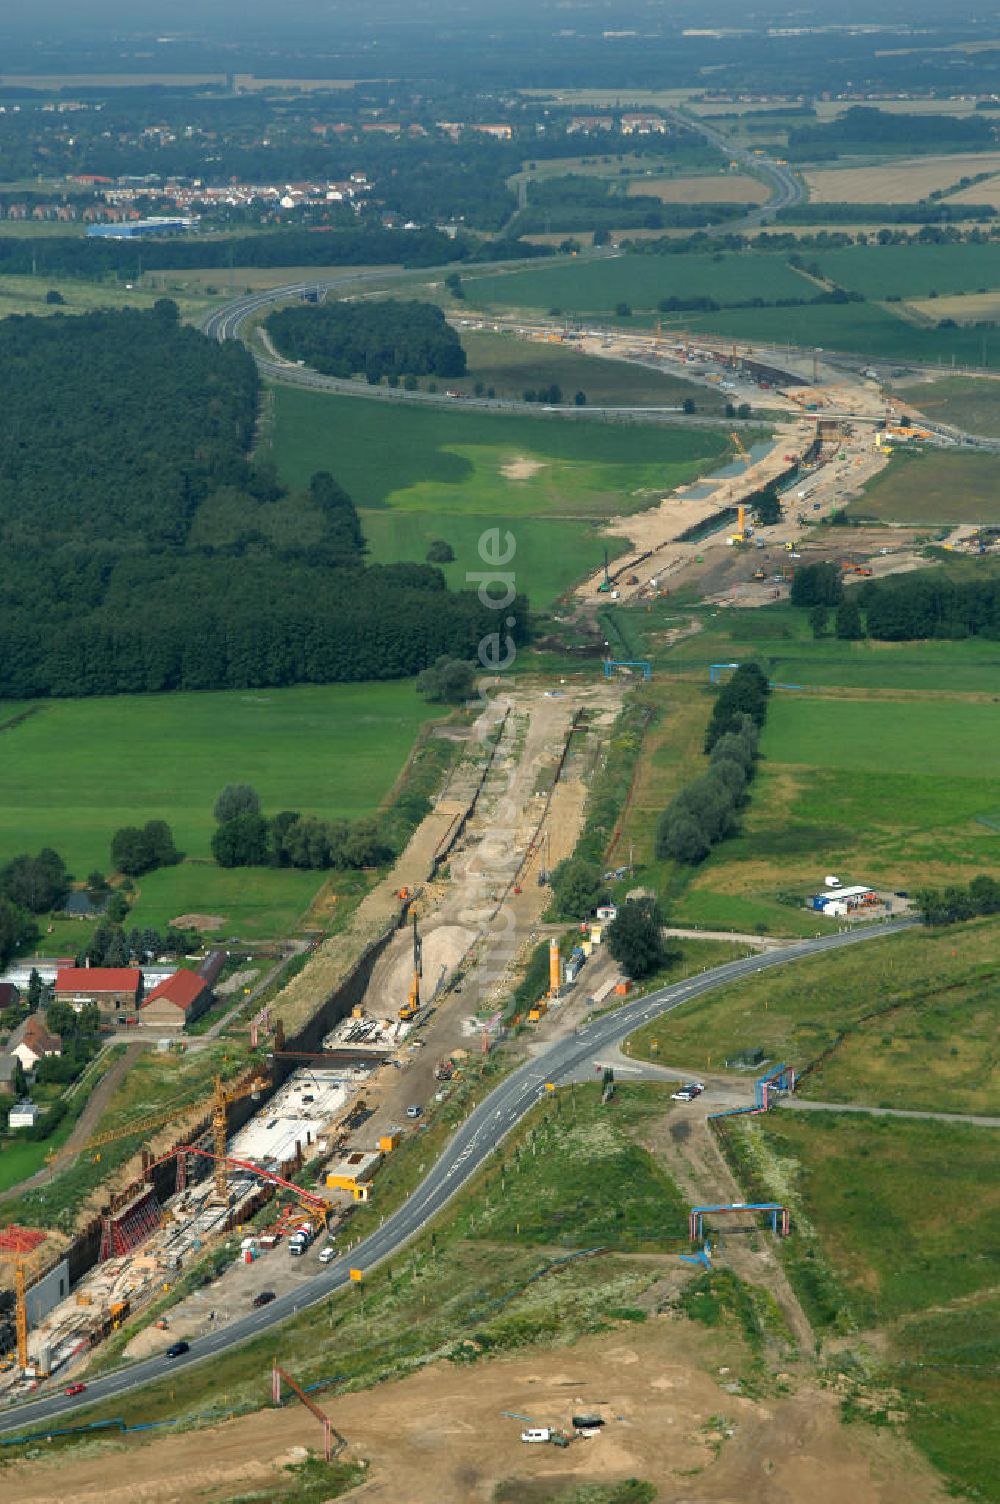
(220, 1122)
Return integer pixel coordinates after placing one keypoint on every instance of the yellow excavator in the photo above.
(411, 1007)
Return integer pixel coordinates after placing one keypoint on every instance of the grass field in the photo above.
(896, 1226)
(552, 553)
(422, 474)
(780, 639)
(934, 488)
(444, 461)
(912, 271)
(27, 295)
(868, 329)
(641, 281)
(912, 774)
(963, 400)
(77, 770)
(930, 1043)
(511, 366)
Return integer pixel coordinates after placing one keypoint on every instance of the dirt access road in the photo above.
(471, 918)
(442, 1436)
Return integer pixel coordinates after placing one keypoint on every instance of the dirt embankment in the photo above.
(444, 1436)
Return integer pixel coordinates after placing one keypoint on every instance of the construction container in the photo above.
(389, 1141)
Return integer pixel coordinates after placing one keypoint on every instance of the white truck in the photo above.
(300, 1240)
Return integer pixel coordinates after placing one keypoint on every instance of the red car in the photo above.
(75, 1388)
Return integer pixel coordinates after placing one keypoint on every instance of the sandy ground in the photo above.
(731, 188)
(521, 468)
(199, 921)
(442, 1437)
(901, 182)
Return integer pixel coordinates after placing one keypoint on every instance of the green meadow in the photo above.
(933, 488)
(417, 474)
(76, 770)
(596, 286)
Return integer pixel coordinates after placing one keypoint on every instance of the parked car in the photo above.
(74, 1389)
(263, 1299)
(328, 1255)
(177, 1348)
(414, 1110)
(689, 1092)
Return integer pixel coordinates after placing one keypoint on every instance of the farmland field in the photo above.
(722, 188)
(511, 366)
(911, 271)
(963, 400)
(933, 487)
(76, 770)
(899, 182)
(868, 329)
(929, 1045)
(641, 281)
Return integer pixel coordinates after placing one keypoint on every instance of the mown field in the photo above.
(641, 281)
(896, 1227)
(513, 366)
(419, 474)
(914, 1009)
(934, 487)
(963, 400)
(75, 771)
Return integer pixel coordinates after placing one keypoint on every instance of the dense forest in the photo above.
(147, 554)
(391, 338)
(919, 605)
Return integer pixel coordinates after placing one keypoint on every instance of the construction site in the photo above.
(286, 1151)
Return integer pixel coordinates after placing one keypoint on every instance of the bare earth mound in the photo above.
(199, 921)
(442, 1437)
(521, 468)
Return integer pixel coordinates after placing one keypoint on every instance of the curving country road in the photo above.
(472, 1143)
(230, 322)
(786, 189)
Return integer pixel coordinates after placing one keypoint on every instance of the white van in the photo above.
(536, 1433)
(328, 1255)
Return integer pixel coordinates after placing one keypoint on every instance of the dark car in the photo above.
(263, 1299)
(177, 1348)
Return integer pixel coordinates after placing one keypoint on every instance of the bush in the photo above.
(577, 888)
(449, 681)
(135, 850)
(440, 552)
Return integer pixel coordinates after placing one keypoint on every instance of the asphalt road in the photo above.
(473, 1142)
(786, 189)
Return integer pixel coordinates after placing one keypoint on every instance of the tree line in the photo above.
(390, 338)
(706, 810)
(903, 609)
(953, 904)
(151, 555)
(245, 837)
